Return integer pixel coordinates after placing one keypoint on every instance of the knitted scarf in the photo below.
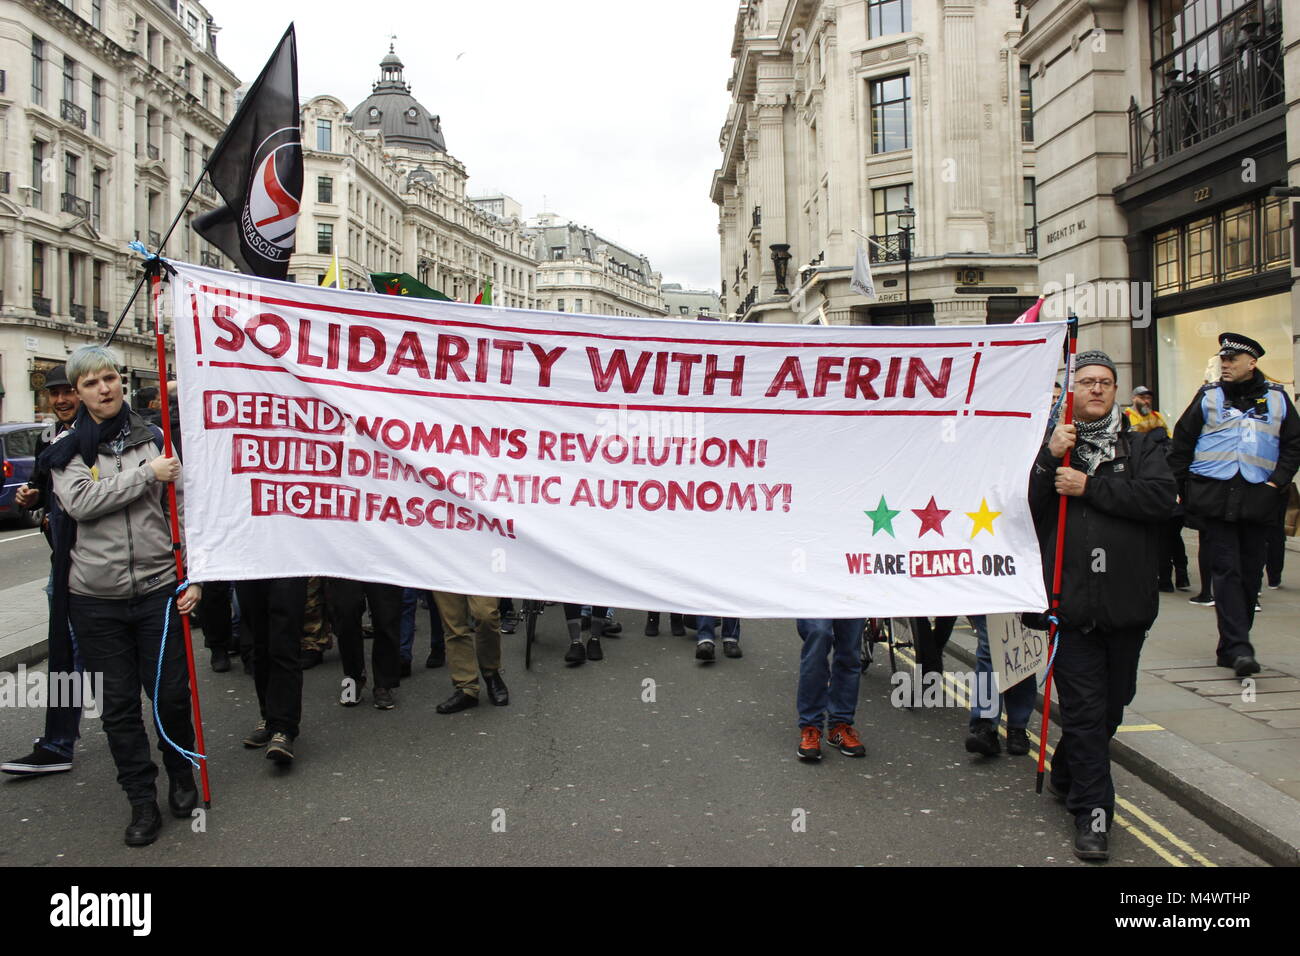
(1097, 440)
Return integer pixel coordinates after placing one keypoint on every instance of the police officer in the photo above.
(1235, 450)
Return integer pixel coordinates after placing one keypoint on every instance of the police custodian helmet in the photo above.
(1231, 343)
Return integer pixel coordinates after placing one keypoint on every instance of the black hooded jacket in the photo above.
(1110, 576)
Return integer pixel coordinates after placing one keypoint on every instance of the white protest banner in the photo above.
(1017, 651)
(745, 470)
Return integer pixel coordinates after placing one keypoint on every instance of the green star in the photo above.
(882, 518)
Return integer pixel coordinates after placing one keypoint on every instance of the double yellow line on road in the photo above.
(1159, 830)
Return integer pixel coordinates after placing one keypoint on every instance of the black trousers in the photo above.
(930, 641)
(1096, 678)
(1237, 550)
(347, 600)
(121, 640)
(1173, 553)
(215, 616)
(271, 610)
(1277, 544)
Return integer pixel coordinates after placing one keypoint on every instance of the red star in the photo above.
(931, 517)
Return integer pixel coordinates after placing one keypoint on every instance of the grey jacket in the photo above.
(124, 541)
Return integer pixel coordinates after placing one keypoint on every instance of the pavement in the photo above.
(585, 770)
(1195, 732)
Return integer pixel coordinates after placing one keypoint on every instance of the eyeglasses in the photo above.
(1090, 383)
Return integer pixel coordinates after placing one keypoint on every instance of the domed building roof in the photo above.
(391, 109)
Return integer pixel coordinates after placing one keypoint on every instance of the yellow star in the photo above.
(983, 518)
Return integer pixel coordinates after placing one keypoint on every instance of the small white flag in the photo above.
(862, 282)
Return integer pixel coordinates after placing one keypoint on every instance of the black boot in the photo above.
(1090, 843)
(652, 624)
(220, 660)
(145, 825)
(182, 795)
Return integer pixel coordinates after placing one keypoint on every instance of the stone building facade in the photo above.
(843, 113)
(1169, 183)
(108, 109)
(580, 271)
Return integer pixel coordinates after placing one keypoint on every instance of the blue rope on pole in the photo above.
(1056, 639)
(189, 755)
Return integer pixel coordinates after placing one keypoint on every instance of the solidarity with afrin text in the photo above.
(446, 357)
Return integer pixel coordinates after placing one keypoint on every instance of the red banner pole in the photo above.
(1053, 635)
(156, 292)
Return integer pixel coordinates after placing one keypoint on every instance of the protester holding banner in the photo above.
(704, 634)
(115, 580)
(1236, 449)
(1119, 495)
(675, 623)
(829, 692)
(472, 654)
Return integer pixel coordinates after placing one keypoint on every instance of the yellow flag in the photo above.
(333, 277)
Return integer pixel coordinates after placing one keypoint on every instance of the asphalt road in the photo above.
(579, 769)
(24, 555)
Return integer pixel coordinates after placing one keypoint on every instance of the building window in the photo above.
(96, 106)
(70, 79)
(70, 163)
(324, 135)
(1200, 252)
(38, 174)
(97, 286)
(97, 14)
(324, 189)
(38, 71)
(887, 203)
(1031, 215)
(1276, 248)
(1232, 243)
(187, 156)
(1026, 105)
(577, 305)
(885, 17)
(1238, 241)
(222, 98)
(207, 92)
(559, 304)
(890, 114)
(324, 238)
(96, 197)
(38, 269)
(1190, 38)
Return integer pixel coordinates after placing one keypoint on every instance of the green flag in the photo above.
(401, 283)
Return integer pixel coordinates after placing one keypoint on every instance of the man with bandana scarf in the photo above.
(1120, 491)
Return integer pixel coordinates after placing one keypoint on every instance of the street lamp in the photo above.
(906, 220)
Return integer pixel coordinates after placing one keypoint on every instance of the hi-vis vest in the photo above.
(1233, 440)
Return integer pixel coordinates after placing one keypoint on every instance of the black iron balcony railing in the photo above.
(101, 318)
(887, 248)
(76, 206)
(210, 259)
(70, 112)
(78, 312)
(41, 305)
(1031, 241)
(1201, 105)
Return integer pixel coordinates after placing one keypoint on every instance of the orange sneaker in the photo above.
(845, 739)
(810, 743)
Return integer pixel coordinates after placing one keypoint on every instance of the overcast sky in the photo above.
(604, 111)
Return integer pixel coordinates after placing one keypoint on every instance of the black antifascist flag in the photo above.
(257, 168)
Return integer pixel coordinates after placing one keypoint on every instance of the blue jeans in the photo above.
(410, 602)
(829, 690)
(1019, 699)
(730, 628)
